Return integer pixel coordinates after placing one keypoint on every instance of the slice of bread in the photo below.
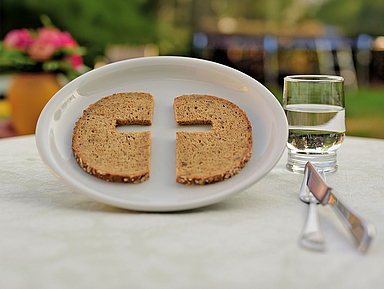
(208, 157)
(109, 154)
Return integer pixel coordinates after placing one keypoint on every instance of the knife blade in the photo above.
(362, 230)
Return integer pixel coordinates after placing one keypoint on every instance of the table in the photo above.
(53, 237)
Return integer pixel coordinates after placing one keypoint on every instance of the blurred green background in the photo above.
(171, 23)
(267, 39)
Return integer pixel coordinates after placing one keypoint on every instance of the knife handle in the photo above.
(362, 230)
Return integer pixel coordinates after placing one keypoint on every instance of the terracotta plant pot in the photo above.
(28, 93)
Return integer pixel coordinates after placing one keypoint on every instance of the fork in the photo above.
(311, 236)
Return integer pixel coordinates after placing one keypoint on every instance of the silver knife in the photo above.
(362, 230)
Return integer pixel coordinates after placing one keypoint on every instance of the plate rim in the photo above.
(42, 133)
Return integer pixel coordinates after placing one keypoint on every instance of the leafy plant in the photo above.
(46, 49)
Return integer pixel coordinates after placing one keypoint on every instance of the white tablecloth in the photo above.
(53, 237)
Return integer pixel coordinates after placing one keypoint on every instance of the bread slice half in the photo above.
(108, 154)
(216, 155)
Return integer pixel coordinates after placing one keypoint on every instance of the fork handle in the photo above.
(312, 237)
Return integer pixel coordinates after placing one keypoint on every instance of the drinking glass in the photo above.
(315, 110)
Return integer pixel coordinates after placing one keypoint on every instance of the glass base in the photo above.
(326, 162)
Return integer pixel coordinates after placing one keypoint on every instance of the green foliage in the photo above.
(9, 58)
(364, 112)
(365, 102)
(354, 17)
(251, 9)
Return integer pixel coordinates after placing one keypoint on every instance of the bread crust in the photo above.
(96, 127)
(220, 113)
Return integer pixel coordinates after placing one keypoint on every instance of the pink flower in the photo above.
(18, 39)
(47, 44)
(41, 51)
(48, 41)
(67, 41)
(77, 61)
(50, 36)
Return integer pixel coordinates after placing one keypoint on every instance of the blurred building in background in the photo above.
(292, 37)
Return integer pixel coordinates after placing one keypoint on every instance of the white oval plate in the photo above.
(165, 78)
